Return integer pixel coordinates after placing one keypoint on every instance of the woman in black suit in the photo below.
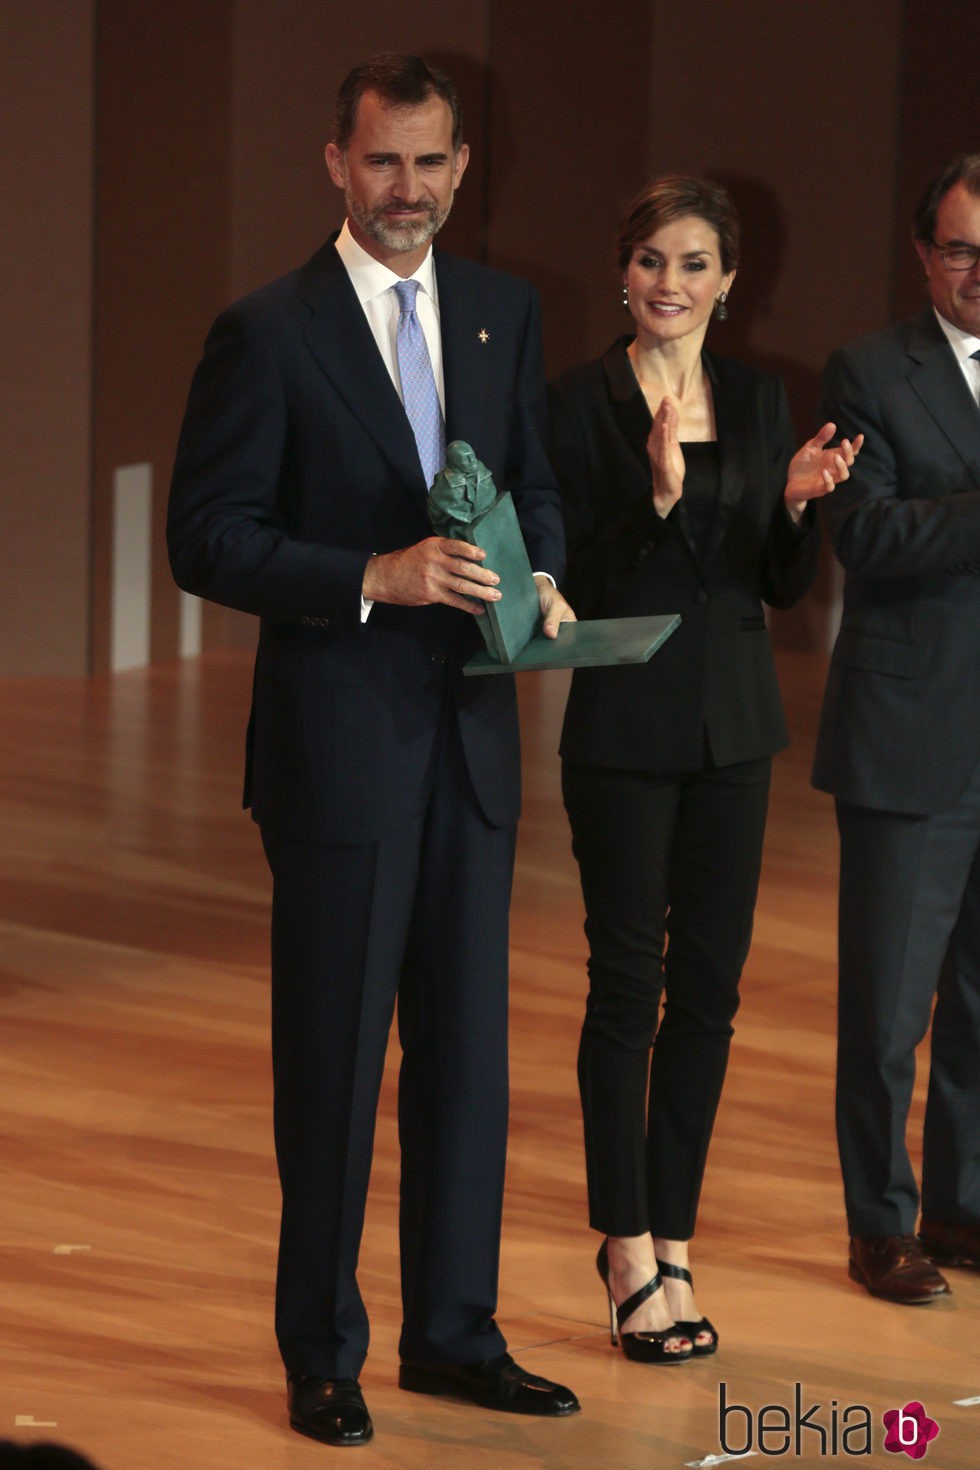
(682, 494)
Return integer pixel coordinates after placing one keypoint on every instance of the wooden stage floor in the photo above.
(139, 1197)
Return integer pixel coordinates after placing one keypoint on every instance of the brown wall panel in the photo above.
(290, 58)
(795, 107)
(825, 118)
(939, 117)
(162, 248)
(570, 116)
(46, 92)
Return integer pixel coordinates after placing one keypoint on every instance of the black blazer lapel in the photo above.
(341, 342)
(941, 387)
(731, 418)
(630, 408)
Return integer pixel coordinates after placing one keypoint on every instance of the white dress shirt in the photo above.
(964, 344)
(374, 285)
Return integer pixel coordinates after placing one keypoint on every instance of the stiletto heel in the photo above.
(692, 1329)
(613, 1322)
(640, 1347)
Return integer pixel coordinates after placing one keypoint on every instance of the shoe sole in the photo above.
(340, 1444)
(427, 1380)
(956, 1259)
(888, 1296)
(664, 1360)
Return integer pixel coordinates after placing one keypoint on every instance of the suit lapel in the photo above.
(342, 344)
(467, 329)
(942, 389)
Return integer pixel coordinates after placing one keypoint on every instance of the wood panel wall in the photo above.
(161, 156)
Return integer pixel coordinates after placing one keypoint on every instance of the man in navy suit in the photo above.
(899, 747)
(386, 785)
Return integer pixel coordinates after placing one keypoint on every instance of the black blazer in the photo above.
(715, 675)
(900, 728)
(297, 462)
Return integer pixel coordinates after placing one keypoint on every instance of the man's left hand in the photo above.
(554, 608)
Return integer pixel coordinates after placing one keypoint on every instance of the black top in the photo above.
(725, 548)
(702, 479)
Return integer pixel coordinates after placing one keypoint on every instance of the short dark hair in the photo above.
(673, 196)
(400, 81)
(963, 169)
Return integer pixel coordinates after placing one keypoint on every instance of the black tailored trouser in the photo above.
(670, 871)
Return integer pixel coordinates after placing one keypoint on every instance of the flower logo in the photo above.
(909, 1431)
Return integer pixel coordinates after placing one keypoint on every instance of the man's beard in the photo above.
(410, 235)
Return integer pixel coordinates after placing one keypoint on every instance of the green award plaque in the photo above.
(464, 506)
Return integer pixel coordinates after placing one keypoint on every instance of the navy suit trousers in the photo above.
(421, 916)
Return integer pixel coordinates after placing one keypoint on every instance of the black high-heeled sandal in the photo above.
(691, 1329)
(640, 1347)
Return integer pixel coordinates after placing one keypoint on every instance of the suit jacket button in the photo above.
(437, 658)
(701, 596)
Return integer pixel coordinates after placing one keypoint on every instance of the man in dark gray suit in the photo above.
(899, 747)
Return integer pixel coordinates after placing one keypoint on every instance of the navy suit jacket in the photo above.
(296, 463)
(900, 728)
(715, 674)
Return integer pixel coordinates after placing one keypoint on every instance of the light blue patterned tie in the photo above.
(419, 393)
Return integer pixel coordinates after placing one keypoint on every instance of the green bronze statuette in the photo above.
(464, 506)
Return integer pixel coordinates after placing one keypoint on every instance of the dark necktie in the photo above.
(419, 393)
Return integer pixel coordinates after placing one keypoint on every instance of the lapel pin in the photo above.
(483, 334)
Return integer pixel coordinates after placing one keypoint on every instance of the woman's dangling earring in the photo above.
(721, 310)
(626, 297)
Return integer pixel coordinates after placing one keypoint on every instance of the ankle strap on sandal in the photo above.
(631, 1303)
(676, 1273)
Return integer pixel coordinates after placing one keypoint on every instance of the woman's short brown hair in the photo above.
(673, 196)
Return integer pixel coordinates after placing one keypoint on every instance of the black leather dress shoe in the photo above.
(331, 1410)
(951, 1245)
(497, 1384)
(895, 1267)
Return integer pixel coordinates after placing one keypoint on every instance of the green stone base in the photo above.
(594, 644)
